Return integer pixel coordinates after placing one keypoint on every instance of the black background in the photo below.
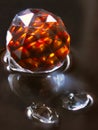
(72, 13)
(81, 19)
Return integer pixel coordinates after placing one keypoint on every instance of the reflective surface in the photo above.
(76, 101)
(82, 23)
(61, 91)
(42, 113)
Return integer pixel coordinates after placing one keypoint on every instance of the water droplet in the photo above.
(76, 101)
(42, 113)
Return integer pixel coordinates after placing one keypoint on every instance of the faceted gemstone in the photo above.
(37, 41)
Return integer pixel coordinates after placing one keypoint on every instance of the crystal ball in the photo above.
(37, 41)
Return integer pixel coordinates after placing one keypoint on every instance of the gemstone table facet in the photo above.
(37, 41)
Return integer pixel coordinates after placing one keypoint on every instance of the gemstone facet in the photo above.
(37, 41)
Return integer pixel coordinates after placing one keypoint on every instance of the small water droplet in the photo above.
(76, 101)
(42, 113)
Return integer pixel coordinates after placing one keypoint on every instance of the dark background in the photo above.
(72, 13)
(81, 19)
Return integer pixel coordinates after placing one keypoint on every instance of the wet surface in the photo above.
(18, 91)
(42, 113)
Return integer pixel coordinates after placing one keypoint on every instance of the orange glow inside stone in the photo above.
(37, 40)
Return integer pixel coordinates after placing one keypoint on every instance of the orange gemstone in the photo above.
(37, 40)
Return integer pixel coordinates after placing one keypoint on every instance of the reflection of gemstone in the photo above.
(37, 41)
